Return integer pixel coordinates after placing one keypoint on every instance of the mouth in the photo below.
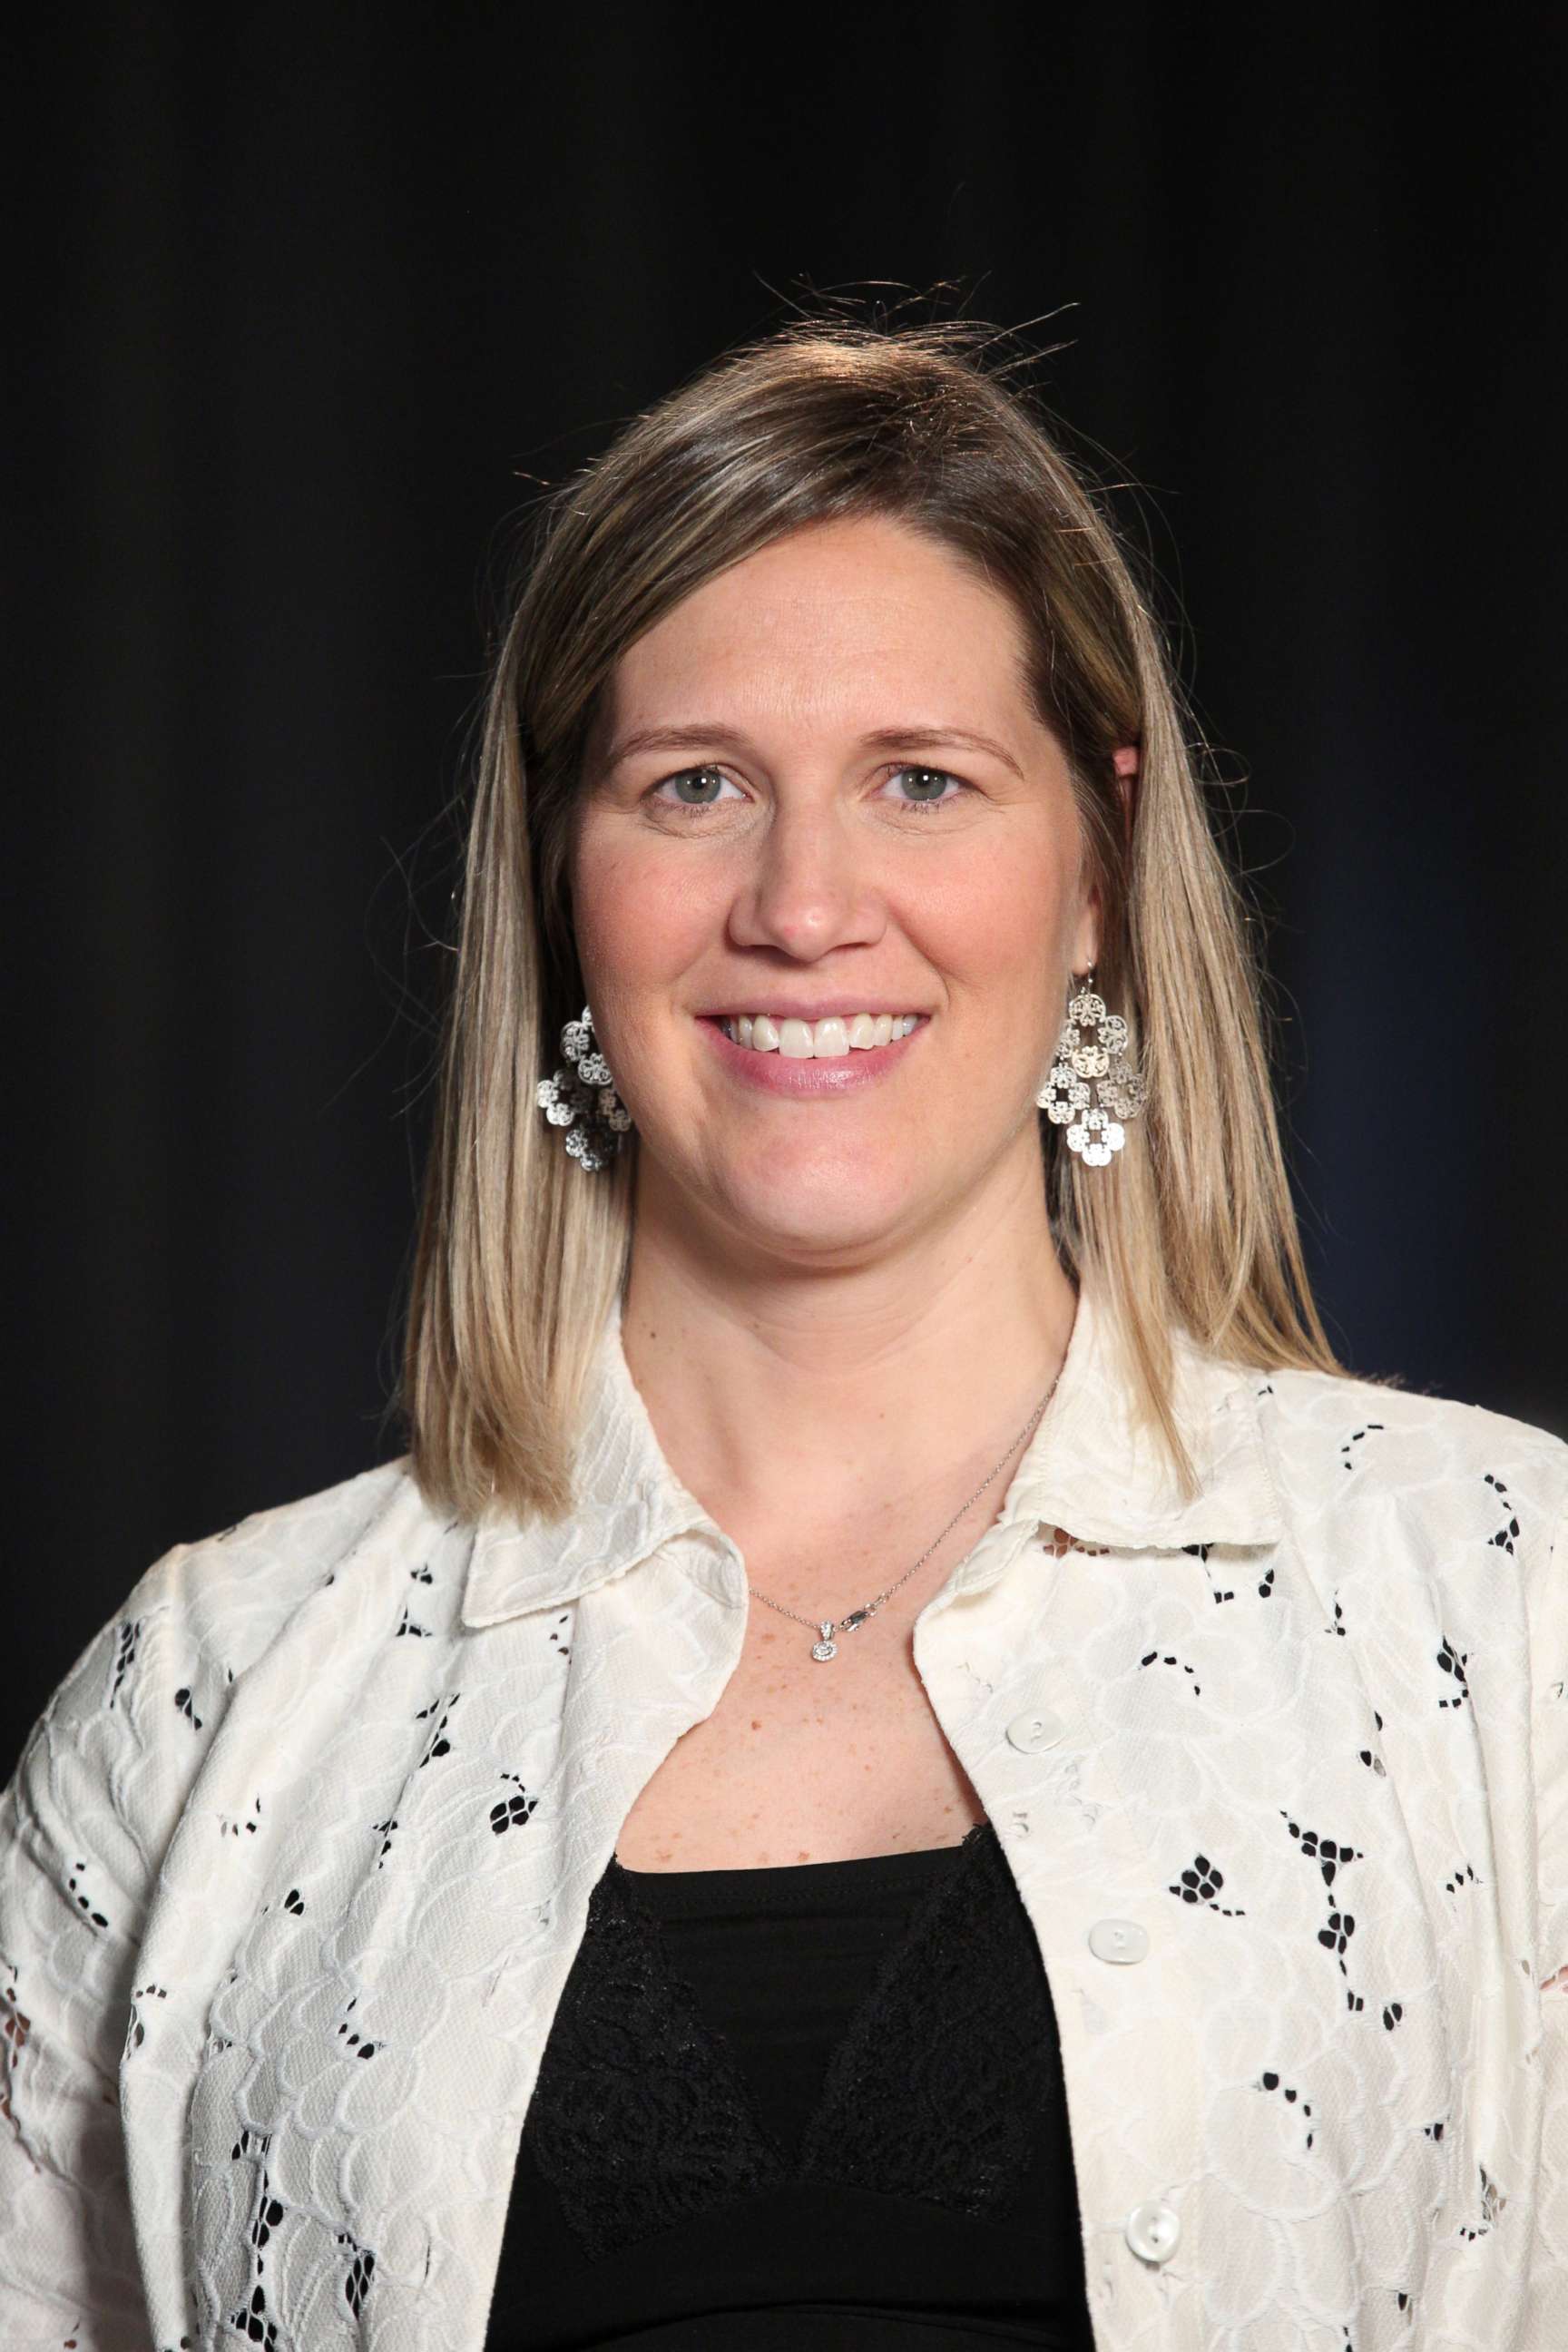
(830, 1039)
(837, 1054)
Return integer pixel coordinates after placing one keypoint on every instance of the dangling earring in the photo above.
(584, 1100)
(1093, 1126)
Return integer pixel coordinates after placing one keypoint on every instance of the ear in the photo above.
(1086, 946)
(1126, 757)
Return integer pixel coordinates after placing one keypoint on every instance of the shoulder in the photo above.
(154, 1684)
(240, 1586)
(1450, 1471)
(1313, 1404)
(109, 1767)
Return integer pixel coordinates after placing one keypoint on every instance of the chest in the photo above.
(804, 1760)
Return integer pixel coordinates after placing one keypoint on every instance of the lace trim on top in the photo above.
(642, 2116)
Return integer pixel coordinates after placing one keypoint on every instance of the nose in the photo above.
(808, 888)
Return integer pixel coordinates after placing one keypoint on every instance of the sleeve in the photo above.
(1547, 2298)
(84, 1825)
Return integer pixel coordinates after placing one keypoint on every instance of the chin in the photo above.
(821, 1209)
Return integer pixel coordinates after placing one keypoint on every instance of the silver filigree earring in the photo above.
(582, 1099)
(1093, 1085)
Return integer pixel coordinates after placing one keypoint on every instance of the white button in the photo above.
(1037, 1729)
(1152, 2231)
(1119, 1939)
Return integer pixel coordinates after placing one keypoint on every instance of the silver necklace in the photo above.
(827, 1647)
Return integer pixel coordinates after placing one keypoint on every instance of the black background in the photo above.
(302, 299)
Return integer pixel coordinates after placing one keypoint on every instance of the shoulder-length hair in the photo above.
(520, 1252)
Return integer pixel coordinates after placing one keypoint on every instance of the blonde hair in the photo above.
(520, 1252)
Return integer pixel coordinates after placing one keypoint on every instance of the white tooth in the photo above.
(830, 1037)
(795, 1040)
(746, 1028)
(863, 1031)
(884, 1027)
(764, 1036)
(905, 1024)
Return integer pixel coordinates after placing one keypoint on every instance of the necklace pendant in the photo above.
(827, 1647)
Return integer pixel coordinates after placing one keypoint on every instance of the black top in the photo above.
(813, 2105)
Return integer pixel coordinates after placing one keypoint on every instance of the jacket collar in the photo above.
(1087, 1470)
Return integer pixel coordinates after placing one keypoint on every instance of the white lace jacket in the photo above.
(297, 1859)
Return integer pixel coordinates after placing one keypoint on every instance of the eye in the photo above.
(692, 788)
(928, 787)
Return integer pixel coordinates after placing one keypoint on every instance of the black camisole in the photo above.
(818, 2105)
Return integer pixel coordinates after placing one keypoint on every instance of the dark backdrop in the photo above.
(300, 298)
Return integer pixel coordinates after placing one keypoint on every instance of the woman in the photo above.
(1106, 1890)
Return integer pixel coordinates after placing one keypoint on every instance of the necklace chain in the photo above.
(827, 1647)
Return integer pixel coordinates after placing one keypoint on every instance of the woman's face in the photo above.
(817, 790)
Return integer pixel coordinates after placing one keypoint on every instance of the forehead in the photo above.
(837, 613)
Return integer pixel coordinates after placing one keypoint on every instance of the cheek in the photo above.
(992, 921)
(635, 925)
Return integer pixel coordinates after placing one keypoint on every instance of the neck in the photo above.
(810, 1400)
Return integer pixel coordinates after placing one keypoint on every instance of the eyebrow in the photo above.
(916, 737)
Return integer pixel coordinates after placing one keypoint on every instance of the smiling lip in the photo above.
(777, 1074)
(823, 1010)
